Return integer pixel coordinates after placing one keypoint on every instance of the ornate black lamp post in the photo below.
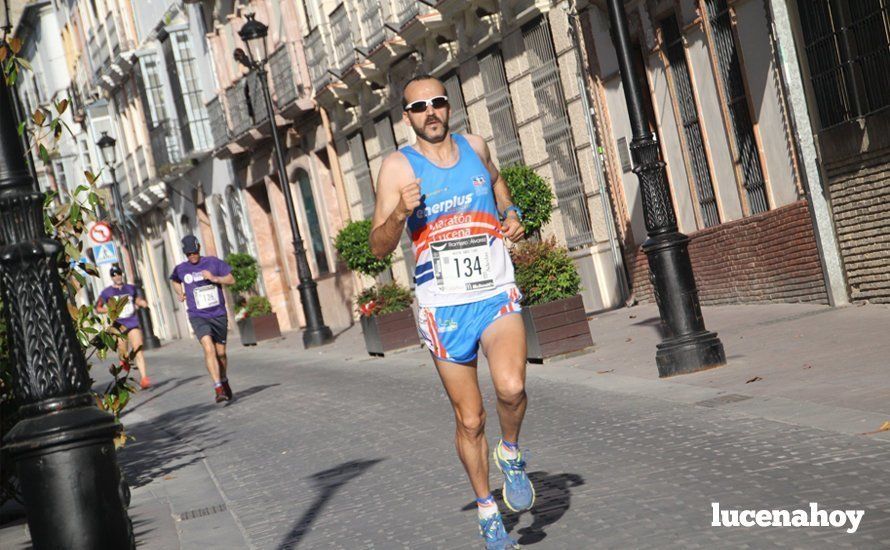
(688, 346)
(63, 445)
(106, 144)
(253, 33)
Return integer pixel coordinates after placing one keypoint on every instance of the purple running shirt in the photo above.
(203, 298)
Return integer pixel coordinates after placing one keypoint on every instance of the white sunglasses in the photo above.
(421, 105)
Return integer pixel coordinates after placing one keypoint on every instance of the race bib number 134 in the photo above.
(462, 265)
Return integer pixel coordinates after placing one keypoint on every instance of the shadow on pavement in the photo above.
(656, 325)
(327, 483)
(552, 499)
(154, 393)
(244, 394)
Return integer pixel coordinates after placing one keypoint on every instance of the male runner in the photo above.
(458, 213)
(198, 282)
(126, 323)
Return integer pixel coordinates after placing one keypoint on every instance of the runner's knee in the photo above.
(471, 424)
(512, 392)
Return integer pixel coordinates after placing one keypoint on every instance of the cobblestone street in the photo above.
(328, 450)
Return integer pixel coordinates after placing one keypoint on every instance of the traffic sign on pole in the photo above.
(100, 232)
(105, 254)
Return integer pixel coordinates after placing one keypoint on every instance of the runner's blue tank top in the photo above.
(458, 245)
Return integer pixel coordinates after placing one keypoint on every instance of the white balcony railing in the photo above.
(344, 47)
(317, 58)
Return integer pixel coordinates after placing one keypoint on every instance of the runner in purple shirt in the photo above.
(126, 323)
(198, 282)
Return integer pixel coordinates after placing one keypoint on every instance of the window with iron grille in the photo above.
(222, 228)
(847, 45)
(362, 173)
(686, 103)
(500, 108)
(558, 140)
(458, 122)
(239, 225)
(192, 114)
(732, 82)
(153, 89)
(316, 236)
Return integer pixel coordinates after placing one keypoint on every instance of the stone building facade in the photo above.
(511, 70)
(241, 135)
(718, 101)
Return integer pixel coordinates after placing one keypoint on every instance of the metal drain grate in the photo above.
(723, 400)
(201, 512)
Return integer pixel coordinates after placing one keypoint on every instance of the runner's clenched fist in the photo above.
(410, 197)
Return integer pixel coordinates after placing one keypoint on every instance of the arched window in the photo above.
(313, 229)
(239, 225)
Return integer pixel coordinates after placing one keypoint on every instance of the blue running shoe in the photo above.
(519, 494)
(496, 538)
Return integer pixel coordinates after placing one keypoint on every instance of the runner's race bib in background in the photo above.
(462, 265)
(128, 308)
(206, 296)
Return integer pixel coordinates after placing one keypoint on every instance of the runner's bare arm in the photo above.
(141, 302)
(512, 225)
(177, 288)
(101, 307)
(398, 194)
(219, 279)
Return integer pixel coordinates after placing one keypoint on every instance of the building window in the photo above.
(316, 236)
(500, 108)
(222, 228)
(848, 53)
(692, 136)
(557, 134)
(736, 98)
(239, 225)
(362, 173)
(459, 122)
(153, 89)
(194, 121)
(61, 179)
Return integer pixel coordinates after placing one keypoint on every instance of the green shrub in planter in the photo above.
(383, 299)
(544, 271)
(531, 194)
(353, 247)
(257, 306)
(245, 272)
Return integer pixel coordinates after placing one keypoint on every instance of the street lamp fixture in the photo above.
(107, 145)
(316, 333)
(62, 444)
(688, 346)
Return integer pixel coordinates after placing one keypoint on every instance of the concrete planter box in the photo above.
(257, 329)
(389, 332)
(556, 328)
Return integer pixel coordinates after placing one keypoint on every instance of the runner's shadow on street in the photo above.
(326, 483)
(552, 500)
(156, 391)
(244, 394)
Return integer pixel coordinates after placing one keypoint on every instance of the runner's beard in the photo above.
(423, 134)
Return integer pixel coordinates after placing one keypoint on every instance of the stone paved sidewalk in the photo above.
(332, 449)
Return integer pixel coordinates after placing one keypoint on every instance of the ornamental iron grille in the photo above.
(458, 122)
(848, 53)
(344, 50)
(189, 103)
(732, 81)
(236, 99)
(317, 59)
(283, 76)
(218, 126)
(557, 134)
(500, 109)
(362, 173)
(371, 21)
(685, 98)
(239, 225)
(256, 99)
(405, 10)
